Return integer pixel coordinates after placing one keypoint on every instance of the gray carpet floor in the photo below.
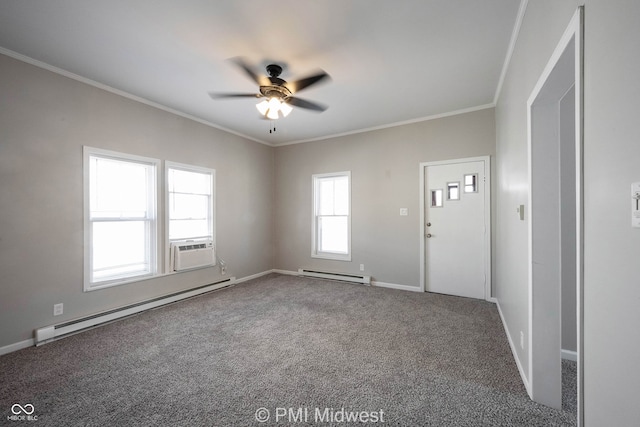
(282, 343)
(569, 386)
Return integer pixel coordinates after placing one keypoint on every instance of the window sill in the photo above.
(99, 286)
(334, 257)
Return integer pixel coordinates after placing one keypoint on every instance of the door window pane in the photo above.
(453, 191)
(471, 183)
(436, 198)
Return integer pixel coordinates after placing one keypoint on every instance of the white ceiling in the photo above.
(390, 61)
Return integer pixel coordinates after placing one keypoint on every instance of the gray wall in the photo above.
(384, 167)
(612, 247)
(45, 119)
(544, 23)
(611, 164)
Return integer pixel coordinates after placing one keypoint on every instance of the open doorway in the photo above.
(555, 226)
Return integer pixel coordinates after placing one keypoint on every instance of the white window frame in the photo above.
(152, 218)
(212, 207)
(315, 253)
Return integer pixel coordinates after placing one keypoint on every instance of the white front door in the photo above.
(455, 228)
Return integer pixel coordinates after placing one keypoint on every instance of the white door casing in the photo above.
(548, 204)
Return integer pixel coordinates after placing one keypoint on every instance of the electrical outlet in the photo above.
(522, 340)
(361, 267)
(58, 309)
(223, 269)
(404, 211)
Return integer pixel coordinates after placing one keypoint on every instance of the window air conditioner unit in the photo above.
(192, 254)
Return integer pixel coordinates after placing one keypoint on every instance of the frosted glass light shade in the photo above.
(272, 114)
(263, 107)
(285, 108)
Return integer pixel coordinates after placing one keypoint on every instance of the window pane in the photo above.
(471, 183)
(325, 198)
(188, 206)
(333, 234)
(436, 198)
(190, 194)
(341, 196)
(181, 181)
(453, 191)
(118, 188)
(120, 248)
(188, 228)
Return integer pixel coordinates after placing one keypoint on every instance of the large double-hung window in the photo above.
(120, 217)
(331, 226)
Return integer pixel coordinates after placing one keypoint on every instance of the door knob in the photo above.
(428, 235)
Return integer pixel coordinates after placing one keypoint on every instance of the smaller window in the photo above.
(471, 183)
(453, 191)
(331, 229)
(190, 198)
(436, 198)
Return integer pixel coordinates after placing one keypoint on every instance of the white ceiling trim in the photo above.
(68, 74)
(392, 125)
(512, 46)
(65, 73)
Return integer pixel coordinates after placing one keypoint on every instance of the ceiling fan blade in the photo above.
(215, 95)
(261, 80)
(298, 85)
(302, 103)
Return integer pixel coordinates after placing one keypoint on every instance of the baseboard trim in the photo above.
(569, 355)
(287, 272)
(396, 286)
(525, 381)
(17, 346)
(53, 332)
(373, 282)
(253, 276)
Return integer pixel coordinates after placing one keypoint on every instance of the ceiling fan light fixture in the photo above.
(276, 93)
(271, 108)
(285, 109)
(263, 107)
(274, 104)
(273, 114)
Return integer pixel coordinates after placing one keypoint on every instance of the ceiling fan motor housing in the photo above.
(276, 90)
(274, 70)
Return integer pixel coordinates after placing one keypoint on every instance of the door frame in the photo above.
(487, 219)
(539, 296)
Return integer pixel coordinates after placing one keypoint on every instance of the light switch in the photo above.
(635, 205)
(520, 210)
(404, 211)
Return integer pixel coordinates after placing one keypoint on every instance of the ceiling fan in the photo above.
(277, 93)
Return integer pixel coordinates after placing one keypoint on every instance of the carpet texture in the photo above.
(303, 349)
(569, 386)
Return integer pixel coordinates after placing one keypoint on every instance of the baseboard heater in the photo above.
(346, 277)
(49, 333)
